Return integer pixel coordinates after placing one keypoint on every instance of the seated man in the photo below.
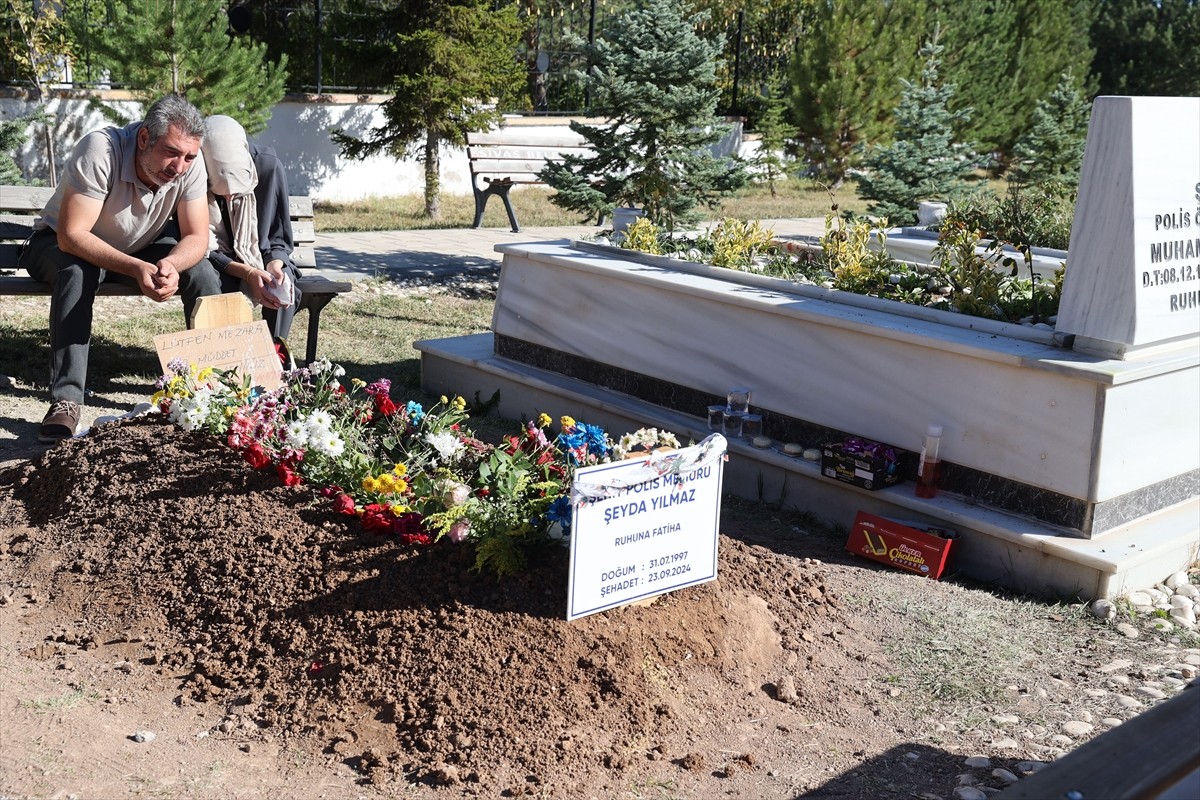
(251, 222)
(106, 220)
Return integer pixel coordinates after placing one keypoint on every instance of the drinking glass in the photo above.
(716, 418)
(733, 425)
(738, 400)
(751, 426)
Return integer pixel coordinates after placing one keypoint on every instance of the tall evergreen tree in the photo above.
(183, 46)
(843, 77)
(1052, 149)
(653, 79)
(923, 162)
(1147, 47)
(1003, 56)
(453, 56)
(13, 135)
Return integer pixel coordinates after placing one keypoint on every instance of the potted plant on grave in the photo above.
(653, 79)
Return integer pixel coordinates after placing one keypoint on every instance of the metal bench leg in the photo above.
(480, 203)
(314, 303)
(512, 215)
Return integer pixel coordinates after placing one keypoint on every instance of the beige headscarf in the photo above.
(231, 174)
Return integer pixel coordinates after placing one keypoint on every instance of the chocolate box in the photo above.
(904, 544)
(861, 462)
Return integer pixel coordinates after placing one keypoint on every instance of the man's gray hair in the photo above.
(172, 109)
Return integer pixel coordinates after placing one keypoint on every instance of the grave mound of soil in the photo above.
(170, 555)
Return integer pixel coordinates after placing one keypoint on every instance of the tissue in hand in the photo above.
(281, 290)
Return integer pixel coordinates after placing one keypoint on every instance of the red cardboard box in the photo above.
(911, 546)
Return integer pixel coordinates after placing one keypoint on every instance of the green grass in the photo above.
(794, 198)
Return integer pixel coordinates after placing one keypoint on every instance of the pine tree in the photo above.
(451, 55)
(654, 80)
(183, 46)
(843, 73)
(770, 162)
(923, 162)
(1147, 47)
(1052, 149)
(13, 135)
(1003, 56)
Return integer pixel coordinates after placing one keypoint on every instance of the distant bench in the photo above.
(19, 205)
(513, 155)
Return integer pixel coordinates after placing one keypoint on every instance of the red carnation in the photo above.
(343, 504)
(289, 476)
(255, 456)
(377, 519)
(384, 405)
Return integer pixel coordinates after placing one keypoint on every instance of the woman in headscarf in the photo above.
(251, 227)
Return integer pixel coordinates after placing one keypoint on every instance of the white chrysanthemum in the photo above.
(296, 434)
(446, 444)
(338, 371)
(330, 444)
(193, 419)
(319, 420)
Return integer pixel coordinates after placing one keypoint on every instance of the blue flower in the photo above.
(414, 411)
(560, 512)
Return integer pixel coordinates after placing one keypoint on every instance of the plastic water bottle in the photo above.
(929, 471)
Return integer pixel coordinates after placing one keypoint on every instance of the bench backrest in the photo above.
(518, 154)
(20, 205)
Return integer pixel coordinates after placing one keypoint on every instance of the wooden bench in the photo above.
(513, 155)
(19, 205)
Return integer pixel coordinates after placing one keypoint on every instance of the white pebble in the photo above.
(1103, 609)
(1006, 744)
(1187, 590)
(1062, 741)
(1179, 601)
(1160, 624)
(1006, 719)
(1151, 692)
(1125, 701)
(969, 793)
(1005, 775)
(144, 736)
(1183, 616)
(978, 762)
(1076, 728)
(1140, 599)
(1111, 722)
(1127, 630)
(1030, 767)
(1117, 666)
(1176, 580)
(1157, 596)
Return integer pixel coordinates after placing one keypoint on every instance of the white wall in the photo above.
(299, 131)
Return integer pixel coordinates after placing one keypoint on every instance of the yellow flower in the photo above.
(459, 403)
(445, 399)
(543, 420)
(369, 484)
(399, 508)
(158, 397)
(400, 486)
(566, 422)
(204, 374)
(357, 383)
(386, 483)
(399, 470)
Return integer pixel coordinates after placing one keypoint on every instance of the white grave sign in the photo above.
(1133, 268)
(639, 531)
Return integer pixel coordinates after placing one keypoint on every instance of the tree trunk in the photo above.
(433, 175)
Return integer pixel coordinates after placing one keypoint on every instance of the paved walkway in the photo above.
(404, 255)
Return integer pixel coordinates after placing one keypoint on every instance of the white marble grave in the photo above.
(1134, 267)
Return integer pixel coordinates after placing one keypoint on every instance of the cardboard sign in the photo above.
(901, 544)
(643, 534)
(247, 347)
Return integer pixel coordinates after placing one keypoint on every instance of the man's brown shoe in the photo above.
(60, 421)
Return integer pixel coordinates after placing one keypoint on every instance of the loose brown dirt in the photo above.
(151, 581)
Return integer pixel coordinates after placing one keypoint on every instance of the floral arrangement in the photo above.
(406, 471)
